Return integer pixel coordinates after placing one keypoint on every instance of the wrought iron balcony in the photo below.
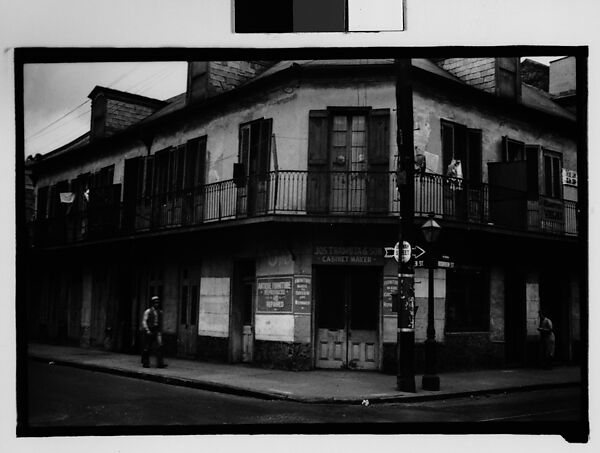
(302, 193)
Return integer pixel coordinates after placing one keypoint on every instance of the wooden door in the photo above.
(364, 294)
(189, 294)
(331, 301)
(514, 317)
(347, 314)
(241, 316)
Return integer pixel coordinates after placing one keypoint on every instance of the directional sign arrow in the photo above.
(418, 252)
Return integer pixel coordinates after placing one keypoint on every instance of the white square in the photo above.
(375, 15)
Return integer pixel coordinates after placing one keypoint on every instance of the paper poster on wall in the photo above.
(274, 294)
(302, 294)
(390, 286)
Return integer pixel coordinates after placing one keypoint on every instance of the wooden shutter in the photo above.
(474, 159)
(161, 171)
(317, 192)
(460, 146)
(378, 186)
(447, 145)
(195, 162)
(532, 156)
(131, 177)
(264, 152)
(179, 163)
(149, 176)
(42, 203)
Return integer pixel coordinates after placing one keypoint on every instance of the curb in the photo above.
(272, 396)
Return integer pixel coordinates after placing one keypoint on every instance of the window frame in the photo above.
(556, 184)
(470, 173)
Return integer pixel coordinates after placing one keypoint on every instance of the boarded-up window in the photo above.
(467, 301)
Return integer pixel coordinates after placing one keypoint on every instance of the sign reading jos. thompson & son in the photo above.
(352, 255)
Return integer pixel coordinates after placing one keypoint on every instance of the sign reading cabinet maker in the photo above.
(274, 294)
(348, 255)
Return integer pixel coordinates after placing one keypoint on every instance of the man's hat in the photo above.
(155, 298)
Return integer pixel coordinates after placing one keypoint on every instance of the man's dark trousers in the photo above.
(150, 340)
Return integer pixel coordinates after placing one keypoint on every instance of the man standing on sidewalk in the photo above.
(152, 333)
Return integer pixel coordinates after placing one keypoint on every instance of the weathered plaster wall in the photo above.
(170, 296)
(532, 301)
(496, 303)
(421, 302)
(274, 261)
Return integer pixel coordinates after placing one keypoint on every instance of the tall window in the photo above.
(462, 144)
(349, 142)
(467, 301)
(552, 174)
(513, 150)
(255, 146)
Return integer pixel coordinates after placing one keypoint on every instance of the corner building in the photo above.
(258, 204)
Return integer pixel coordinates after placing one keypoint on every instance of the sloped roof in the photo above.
(530, 96)
(540, 100)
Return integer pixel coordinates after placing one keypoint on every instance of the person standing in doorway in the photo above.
(546, 340)
(152, 333)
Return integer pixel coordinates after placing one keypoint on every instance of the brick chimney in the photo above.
(500, 76)
(113, 110)
(208, 78)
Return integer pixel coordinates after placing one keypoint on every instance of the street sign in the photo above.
(418, 252)
(406, 251)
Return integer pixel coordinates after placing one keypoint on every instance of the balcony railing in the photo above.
(300, 193)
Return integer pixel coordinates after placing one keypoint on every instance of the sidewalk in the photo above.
(318, 386)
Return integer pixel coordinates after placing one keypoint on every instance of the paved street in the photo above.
(68, 397)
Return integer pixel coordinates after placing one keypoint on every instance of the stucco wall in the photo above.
(496, 303)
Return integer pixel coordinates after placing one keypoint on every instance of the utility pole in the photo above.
(405, 350)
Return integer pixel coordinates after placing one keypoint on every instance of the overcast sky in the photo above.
(56, 106)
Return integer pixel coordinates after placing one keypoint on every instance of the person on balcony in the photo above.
(454, 173)
(152, 333)
(546, 340)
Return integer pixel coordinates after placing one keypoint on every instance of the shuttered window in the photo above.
(462, 144)
(255, 147)
(467, 301)
(552, 174)
(42, 203)
(348, 140)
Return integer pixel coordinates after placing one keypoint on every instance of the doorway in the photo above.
(515, 332)
(554, 303)
(347, 304)
(242, 313)
(189, 295)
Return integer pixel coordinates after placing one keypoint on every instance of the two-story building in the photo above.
(258, 204)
